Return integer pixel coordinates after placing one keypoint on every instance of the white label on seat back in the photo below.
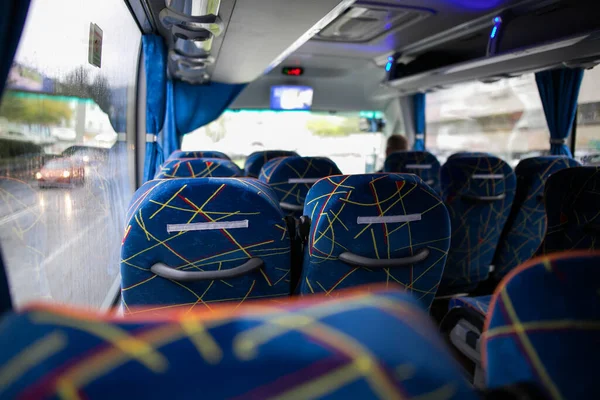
(418, 166)
(388, 219)
(487, 176)
(303, 180)
(207, 226)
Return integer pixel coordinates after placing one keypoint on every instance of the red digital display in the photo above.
(292, 71)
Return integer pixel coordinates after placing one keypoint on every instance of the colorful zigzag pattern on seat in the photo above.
(479, 192)
(292, 177)
(257, 160)
(479, 304)
(378, 216)
(421, 163)
(543, 326)
(367, 344)
(198, 154)
(526, 226)
(198, 168)
(573, 211)
(182, 223)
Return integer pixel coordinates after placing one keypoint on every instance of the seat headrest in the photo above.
(198, 168)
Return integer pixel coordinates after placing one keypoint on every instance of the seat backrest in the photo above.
(390, 228)
(478, 192)
(572, 199)
(196, 225)
(256, 160)
(543, 327)
(198, 154)
(526, 225)
(469, 154)
(198, 168)
(368, 344)
(421, 163)
(292, 177)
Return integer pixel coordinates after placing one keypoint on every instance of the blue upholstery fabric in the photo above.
(278, 172)
(255, 161)
(469, 154)
(421, 163)
(149, 240)
(526, 225)
(155, 63)
(573, 210)
(543, 327)
(480, 304)
(476, 224)
(372, 344)
(335, 204)
(198, 154)
(198, 168)
(559, 91)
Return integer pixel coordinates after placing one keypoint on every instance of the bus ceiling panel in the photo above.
(442, 16)
(262, 33)
(353, 89)
(580, 50)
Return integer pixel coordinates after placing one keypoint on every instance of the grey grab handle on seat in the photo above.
(484, 198)
(291, 207)
(167, 272)
(359, 261)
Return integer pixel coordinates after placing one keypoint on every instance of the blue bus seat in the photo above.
(478, 192)
(198, 168)
(526, 226)
(198, 154)
(371, 228)
(543, 326)
(258, 159)
(573, 210)
(369, 343)
(292, 177)
(421, 163)
(192, 242)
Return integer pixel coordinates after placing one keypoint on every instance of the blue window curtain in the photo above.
(559, 91)
(197, 105)
(12, 20)
(155, 57)
(419, 113)
(169, 136)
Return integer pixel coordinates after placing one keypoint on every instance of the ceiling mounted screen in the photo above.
(365, 22)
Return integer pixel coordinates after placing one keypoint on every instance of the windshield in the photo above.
(56, 164)
(339, 136)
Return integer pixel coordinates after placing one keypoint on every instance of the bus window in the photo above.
(504, 117)
(339, 136)
(64, 126)
(587, 139)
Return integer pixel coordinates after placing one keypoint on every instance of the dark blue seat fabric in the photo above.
(479, 304)
(478, 192)
(208, 224)
(292, 177)
(469, 154)
(198, 168)
(526, 225)
(198, 154)
(378, 216)
(257, 160)
(421, 163)
(573, 210)
(543, 327)
(369, 344)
